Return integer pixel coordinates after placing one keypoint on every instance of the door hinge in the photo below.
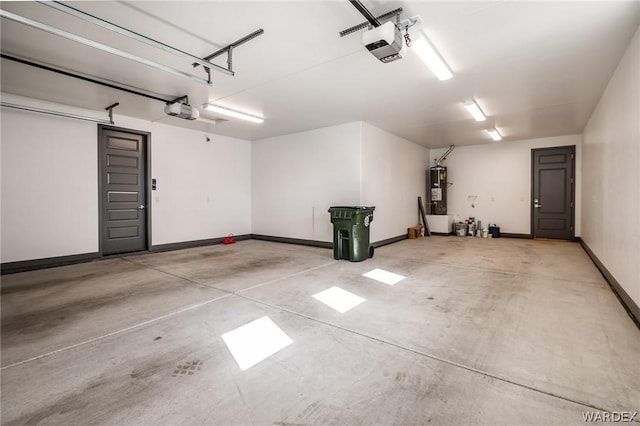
(572, 156)
(572, 180)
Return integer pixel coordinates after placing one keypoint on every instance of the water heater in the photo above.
(438, 190)
(438, 185)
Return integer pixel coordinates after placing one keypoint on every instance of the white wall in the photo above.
(496, 179)
(393, 176)
(611, 164)
(49, 186)
(204, 188)
(50, 183)
(297, 177)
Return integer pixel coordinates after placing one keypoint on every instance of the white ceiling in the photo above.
(536, 68)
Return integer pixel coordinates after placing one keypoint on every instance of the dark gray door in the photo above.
(123, 187)
(553, 192)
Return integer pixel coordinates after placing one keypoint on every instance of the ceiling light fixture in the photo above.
(475, 110)
(232, 113)
(495, 135)
(428, 54)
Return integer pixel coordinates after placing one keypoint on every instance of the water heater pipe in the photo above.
(444, 156)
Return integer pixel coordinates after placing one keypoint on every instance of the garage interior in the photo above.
(166, 245)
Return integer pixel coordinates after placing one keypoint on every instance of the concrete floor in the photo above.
(481, 331)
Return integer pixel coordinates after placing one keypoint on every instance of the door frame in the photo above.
(573, 188)
(147, 164)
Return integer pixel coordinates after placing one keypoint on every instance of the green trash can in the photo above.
(351, 232)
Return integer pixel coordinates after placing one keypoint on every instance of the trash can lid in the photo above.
(351, 208)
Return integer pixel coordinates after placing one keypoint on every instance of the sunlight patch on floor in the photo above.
(255, 342)
(339, 299)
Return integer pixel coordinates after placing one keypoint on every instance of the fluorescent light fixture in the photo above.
(339, 299)
(233, 113)
(495, 135)
(255, 342)
(475, 110)
(431, 58)
(384, 276)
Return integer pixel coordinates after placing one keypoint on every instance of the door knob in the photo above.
(537, 206)
(141, 207)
